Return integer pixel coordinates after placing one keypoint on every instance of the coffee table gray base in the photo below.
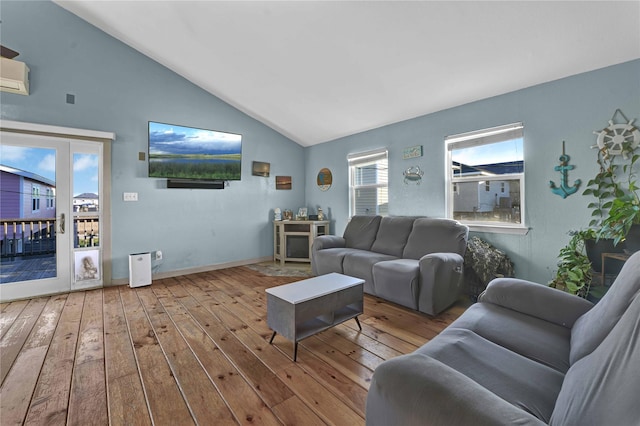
(301, 309)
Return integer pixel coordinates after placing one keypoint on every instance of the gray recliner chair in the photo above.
(526, 354)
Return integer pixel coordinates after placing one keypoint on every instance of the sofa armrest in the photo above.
(535, 299)
(328, 241)
(416, 389)
(440, 281)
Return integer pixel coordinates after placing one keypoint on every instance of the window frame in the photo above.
(361, 158)
(35, 198)
(477, 138)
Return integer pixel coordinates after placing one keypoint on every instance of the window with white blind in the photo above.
(485, 179)
(368, 183)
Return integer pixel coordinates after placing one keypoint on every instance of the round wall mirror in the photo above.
(324, 179)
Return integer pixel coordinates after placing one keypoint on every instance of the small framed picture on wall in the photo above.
(283, 182)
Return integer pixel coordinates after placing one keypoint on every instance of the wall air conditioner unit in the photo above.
(14, 76)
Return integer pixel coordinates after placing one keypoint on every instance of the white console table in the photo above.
(292, 239)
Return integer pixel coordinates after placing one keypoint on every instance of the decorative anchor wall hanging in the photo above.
(564, 191)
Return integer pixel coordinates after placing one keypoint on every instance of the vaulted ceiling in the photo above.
(320, 70)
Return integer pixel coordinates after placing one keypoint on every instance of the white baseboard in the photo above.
(170, 274)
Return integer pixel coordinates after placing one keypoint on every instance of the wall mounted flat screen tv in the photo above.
(179, 152)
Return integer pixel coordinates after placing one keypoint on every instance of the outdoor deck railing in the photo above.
(30, 237)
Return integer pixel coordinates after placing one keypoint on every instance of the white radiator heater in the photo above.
(139, 269)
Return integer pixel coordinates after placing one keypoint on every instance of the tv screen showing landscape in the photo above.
(178, 152)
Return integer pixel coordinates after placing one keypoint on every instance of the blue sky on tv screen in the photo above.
(179, 140)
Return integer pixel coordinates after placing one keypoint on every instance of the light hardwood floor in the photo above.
(191, 350)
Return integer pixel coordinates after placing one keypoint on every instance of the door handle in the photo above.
(62, 224)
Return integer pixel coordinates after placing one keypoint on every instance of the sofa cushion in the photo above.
(417, 390)
(361, 231)
(360, 264)
(435, 235)
(524, 383)
(330, 260)
(398, 281)
(591, 328)
(392, 235)
(603, 388)
(531, 337)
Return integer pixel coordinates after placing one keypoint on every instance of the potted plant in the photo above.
(574, 267)
(615, 212)
(606, 187)
(623, 222)
(623, 218)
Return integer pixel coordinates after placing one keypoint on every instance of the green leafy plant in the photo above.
(574, 268)
(605, 187)
(624, 213)
(616, 206)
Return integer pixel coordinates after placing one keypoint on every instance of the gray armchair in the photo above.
(525, 354)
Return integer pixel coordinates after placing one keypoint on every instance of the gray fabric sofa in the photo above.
(526, 354)
(416, 262)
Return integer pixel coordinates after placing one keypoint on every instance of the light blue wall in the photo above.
(570, 109)
(119, 90)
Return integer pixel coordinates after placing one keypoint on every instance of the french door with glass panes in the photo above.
(51, 215)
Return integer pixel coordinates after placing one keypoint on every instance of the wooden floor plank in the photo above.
(192, 349)
(263, 380)
(241, 397)
(17, 389)
(294, 412)
(357, 393)
(9, 313)
(349, 368)
(125, 396)
(50, 400)
(361, 339)
(279, 360)
(88, 397)
(383, 337)
(157, 378)
(203, 398)
(351, 349)
(13, 341)
(329, 375)
(258, 343)
(326, 405)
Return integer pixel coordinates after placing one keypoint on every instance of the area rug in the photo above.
(275, 269)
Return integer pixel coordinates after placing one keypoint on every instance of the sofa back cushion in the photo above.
(361, 231)
(602, 387)
(436, 235)
(392, 235)
(591, 328)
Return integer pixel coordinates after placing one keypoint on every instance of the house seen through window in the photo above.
(485, 177)
(368, 183)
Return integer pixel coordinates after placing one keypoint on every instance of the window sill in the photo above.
(498, 229)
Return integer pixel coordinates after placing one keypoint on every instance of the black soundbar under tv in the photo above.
(195, 184)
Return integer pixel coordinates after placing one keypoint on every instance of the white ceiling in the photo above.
(320, 70)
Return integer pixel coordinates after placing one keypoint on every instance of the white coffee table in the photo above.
(307, 307)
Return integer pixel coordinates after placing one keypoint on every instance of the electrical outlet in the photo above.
(158, 255)
(130, 196)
